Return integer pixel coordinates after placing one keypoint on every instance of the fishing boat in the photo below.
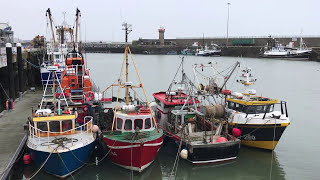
(56, 143)
(172, 52)
(132, 137)
(195, 127)
(202, 52)
(261, 120)
(56, 50)
(214, 51)
(187, 51)
(277, 50)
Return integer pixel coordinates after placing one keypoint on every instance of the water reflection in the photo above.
(250, 164)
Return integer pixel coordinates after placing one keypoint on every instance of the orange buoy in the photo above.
(26, 159)
(236, 132)
(7, 105)
(222, 139)
(226, 92)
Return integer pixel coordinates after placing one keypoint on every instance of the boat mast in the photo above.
(301, 41)
(229, 75)
(77, 24)
(127, 29)
(48, 13)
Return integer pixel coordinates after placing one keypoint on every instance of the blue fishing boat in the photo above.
(172, 53)
(57, 144)
(187, 52)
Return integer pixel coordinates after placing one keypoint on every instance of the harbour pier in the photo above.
(12, 131)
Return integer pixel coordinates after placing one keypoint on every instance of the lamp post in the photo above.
(228, 24)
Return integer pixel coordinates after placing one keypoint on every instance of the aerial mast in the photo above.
(127, 28)
(48, 13)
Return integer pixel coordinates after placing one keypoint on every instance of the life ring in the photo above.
(90, 95)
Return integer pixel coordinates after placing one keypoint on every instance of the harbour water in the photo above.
(296, 155)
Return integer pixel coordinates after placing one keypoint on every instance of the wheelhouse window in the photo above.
(231, 105)
(66, 125)
(119, 123)
(258, 109)
(128, 124)
(157, 100)
(54, 126)
(239, 107)
(138, 123)
(261, 109)
(43, 126)
(147, 123)
(271, 108)
(251, 110)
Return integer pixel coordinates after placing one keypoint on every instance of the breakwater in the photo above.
(240, 46)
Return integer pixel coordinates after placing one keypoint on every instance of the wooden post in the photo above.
(20, 68)
(10, 71)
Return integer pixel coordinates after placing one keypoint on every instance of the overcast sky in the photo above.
(102, 19)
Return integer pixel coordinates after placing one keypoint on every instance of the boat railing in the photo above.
(43, 137)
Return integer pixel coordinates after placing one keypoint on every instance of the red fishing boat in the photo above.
(132, 137)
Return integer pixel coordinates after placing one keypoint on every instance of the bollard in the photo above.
(10, 70)
(20, 96)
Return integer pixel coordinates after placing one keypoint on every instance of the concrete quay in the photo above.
(11, 127)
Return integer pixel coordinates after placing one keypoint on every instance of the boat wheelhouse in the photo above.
(75, 77)
(135, 142)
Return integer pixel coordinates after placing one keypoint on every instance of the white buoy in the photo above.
(184, 154)
(95, 128)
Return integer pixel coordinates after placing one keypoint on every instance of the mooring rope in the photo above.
(35, 66)
(34, 174)
(175, 165)
(4, 91)
(94, 162)
(65, 165)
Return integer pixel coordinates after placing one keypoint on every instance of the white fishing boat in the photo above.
(261, 120)
(289, 51)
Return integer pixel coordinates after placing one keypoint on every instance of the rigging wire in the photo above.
(181, 64)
